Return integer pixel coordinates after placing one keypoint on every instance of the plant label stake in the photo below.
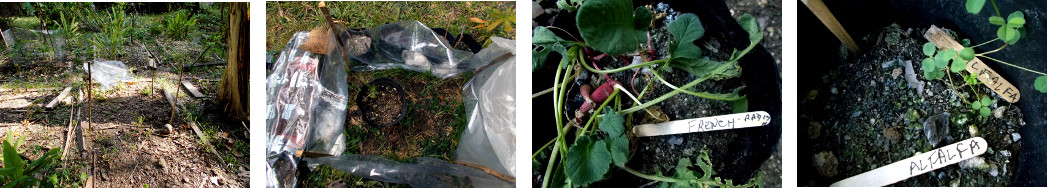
(985, 74)
(919, 164)
(715, 123)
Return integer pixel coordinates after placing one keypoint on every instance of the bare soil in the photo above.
(382, 105)
(125, 142)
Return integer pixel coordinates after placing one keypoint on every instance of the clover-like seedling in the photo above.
(982, 106)
(937, 60)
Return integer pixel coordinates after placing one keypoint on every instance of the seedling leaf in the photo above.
(612, 123)
(641, 18)
(986, 101)
(958, 64)
(685, 30)
(928, 49)
(928, 65)
(619, 148)
(549, 42)
(975, 6)
(749, 24)
(976, 105)
(967, 53)
(698, 67)
(1041, 84)
(609, 26)
(996, 20)
(587, 161)
(984, 112)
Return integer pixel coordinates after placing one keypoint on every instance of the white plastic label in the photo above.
(723, 122)
(919, 164)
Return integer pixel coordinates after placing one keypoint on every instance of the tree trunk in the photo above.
(233, 94)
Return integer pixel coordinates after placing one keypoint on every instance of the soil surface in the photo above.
(125, 142)
(864, 115)
(432, 125)
(381, 105)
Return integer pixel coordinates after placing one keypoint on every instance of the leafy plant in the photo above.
(982, 106)
(611, 28)
(23, 173)
(177, 24)
(115, 29)
(1011, 29)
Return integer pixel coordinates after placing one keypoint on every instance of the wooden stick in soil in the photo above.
(822, 12)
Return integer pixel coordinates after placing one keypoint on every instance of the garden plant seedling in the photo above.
(616, 29)
(1012, 28)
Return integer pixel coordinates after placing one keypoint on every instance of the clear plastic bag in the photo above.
(305, 101)
(34, 43)
(408, 44)
(423, 172)
(490, 138)
(108, 72)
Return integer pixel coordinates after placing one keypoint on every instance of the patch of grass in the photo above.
(27, 22)
(286, 18)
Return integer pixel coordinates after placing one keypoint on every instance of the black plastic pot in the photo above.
(760, 74)
(364, 105)
(861, 17)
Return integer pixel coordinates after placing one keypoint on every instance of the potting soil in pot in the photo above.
(864, 115)
(382, 105)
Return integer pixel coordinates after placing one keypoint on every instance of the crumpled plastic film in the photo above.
(423, 172)
(31, 40)
(408, 44)
(490, 139)
(305, 101)
(108, 72)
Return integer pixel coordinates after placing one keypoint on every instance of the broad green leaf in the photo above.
(958, 64)
(740, 105)
(985, 112)
(976, 105)
(641, 18)
(942, 58)
(967, 53)
(43, 162)
(1041, 84)
(619, 148)
(12, 160)
(587, 160)
(965, 42)
(549, 42)
(685, 29)
(608, 26)
(612, 123)
(928, 49)
(749, 25)
(698, 67)
(1014, 18)
(683, 170)
(975, 6)
(728, 73)
(1016, 22)
(562, 5)
(986, 101)
(996, 20)
(928, 65)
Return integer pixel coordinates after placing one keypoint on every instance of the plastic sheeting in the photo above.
(306, 100)
(35, 43)
(108, 72)
(423, 172)
(490, 138)
(408, 44)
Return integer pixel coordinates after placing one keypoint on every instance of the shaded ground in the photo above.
(865, 114)
(126, 144)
